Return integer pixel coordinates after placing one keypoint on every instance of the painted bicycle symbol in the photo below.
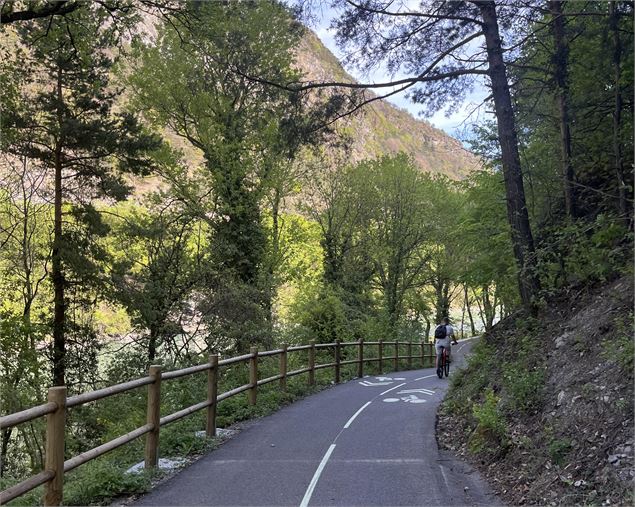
(410, 396)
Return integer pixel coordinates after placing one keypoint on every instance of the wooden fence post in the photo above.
(253, 375)
(380, 354)
(396, 355)
(312, 363)
(410, 354)
(212, 391)
(432, 353)
(423, 355)
(55, 425)
(360, 364)
(283, 367)
(337, 361)
(153, 417)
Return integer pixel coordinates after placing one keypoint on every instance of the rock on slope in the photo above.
(556, 424)
(383, 128)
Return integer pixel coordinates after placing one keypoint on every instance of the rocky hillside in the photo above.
(383, 128)
(545, 407)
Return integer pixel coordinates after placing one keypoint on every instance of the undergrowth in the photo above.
(498, 385)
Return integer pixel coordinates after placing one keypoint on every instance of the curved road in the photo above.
(369, 441)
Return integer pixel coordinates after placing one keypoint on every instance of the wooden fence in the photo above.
(58, 403)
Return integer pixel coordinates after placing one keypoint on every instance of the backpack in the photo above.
(440, 332)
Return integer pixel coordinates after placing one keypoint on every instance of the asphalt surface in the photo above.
(368, 442)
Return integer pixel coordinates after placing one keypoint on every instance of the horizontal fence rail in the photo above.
(58, 403)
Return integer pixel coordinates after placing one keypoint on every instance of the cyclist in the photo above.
(443, 334)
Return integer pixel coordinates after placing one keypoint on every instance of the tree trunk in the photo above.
(480, 311)
(152, 344)
(522, 239)
(59, 343)
(617, 114)
(428, 326)
(392, 305)
(442, 303)
(561, 77)
(469, 311)
(489, 308)
(463, 319)
(6, 438)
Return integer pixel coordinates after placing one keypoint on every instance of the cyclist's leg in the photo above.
(438, 347)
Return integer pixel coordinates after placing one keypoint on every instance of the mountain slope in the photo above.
(545, 406)
(383, 128)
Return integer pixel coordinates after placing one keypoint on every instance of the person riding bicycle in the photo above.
(443, 334)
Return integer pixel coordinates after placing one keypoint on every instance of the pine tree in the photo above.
(64, 120)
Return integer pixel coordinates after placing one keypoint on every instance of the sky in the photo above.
(455, 125)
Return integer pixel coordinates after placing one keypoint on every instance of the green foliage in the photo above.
(558, 450)
(585, 252)
(467, 385)
(326, 318)
(248, 133)
(620, 344)
(101, 480)
(491, 429)
(523, 387)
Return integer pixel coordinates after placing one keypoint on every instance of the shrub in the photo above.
(558, 449)
(524, 387)
(491, 429)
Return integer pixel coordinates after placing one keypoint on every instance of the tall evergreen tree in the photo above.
(65, 121)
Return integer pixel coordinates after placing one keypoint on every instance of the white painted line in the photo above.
(427, 376)
(355, 415)
(409, 391)
(316, 477)
(392, 389)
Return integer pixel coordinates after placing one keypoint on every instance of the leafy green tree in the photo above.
(24, 257)
(64, 121)
(487, 265)
(376, 33)
(579, 73)
(245, 131)
(400, 228)
(159, 265)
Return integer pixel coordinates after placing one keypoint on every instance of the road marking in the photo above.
(393, 388)
(355, 415)
(423, 391)
(316, 477)
(366, 383)
(411, 398)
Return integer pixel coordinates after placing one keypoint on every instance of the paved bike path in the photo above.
(367, 442)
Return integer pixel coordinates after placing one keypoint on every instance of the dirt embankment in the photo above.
(545, 407)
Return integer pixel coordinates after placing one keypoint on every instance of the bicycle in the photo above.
(443, 363)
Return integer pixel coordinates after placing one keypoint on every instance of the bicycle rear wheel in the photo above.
(446, 363)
